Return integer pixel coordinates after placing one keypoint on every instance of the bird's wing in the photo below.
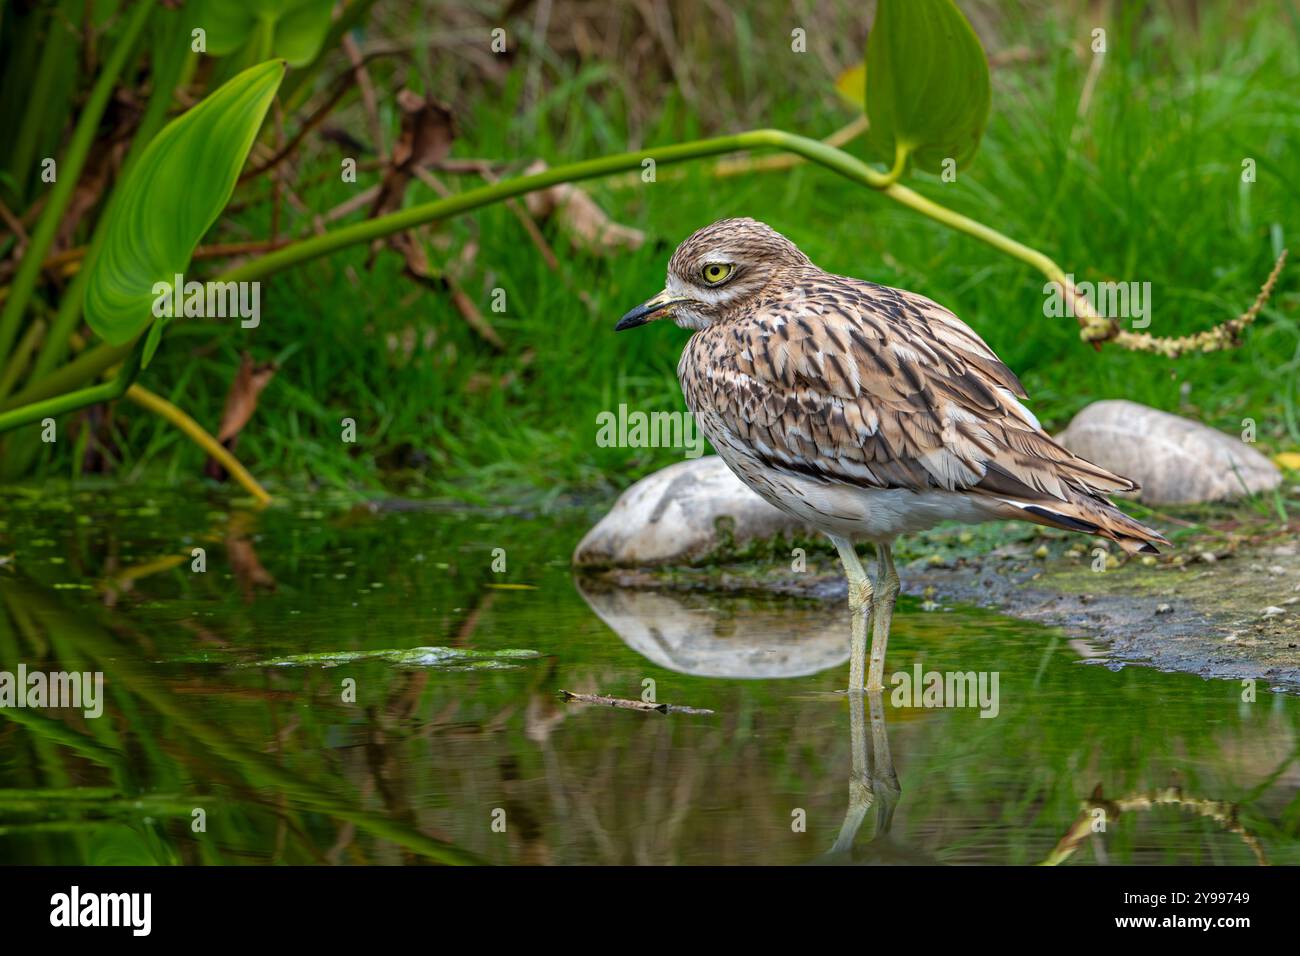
(877, 387)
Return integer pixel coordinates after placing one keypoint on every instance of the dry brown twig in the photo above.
(16, 227)
(1221, 812)
(624, 704)
(1226, 335)
(340, 87)
(367, 90)
(520, 213)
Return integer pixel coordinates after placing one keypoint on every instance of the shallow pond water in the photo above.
(267, 710)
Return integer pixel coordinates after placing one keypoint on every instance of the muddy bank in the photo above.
(1220, 605)
(1216, 620)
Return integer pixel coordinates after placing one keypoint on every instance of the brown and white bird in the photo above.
(866, 412)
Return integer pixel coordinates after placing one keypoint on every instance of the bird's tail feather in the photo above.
(1091, 515)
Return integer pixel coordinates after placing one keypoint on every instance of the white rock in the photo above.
(700, 634)
(673, 517)
(1175, 460)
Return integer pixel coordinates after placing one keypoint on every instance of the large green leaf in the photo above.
(927, 84)
(292, 30)
(171, 198)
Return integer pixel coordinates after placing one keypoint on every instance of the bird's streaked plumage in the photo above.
(863, 410)
(835, 389)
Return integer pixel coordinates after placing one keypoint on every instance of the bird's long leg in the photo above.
(873, 780)
(887, 582)
(861, 605)
(861, 796)
(884, 778)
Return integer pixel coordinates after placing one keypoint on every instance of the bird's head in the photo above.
(719, 271)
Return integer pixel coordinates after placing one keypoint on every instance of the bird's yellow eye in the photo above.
(716, 272)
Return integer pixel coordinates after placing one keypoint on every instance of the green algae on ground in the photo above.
(450, 658)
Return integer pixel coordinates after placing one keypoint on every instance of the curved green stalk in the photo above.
(71, 401)
(21, 354)
(95, 361)
(86, 367)
(901, 152)
(199, 435)
(977, 230)
(570, 172)
(813, 150)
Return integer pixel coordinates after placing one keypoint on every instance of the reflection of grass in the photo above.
(442, 657)
(256, 770)
(1064, 728)
(419, 764)
(63, 810)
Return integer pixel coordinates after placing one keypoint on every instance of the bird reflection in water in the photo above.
(873, 782)
(697, 634)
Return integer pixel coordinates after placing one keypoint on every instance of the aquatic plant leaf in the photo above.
(169, 200)
(927, 84)
(295, 28)
(454, 658)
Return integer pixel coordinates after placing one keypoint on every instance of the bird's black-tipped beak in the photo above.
(659, 307)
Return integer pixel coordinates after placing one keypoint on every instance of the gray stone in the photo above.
(682, 513)
(716, 635)
(1175, 460)
(696, 509)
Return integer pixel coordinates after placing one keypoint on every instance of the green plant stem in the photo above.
(86, 367)
(813, 150)
(955, 220)
(94, 361)
(71, 401)
(83, 138)
(901, 153)
(199, 435)
(21, 354)
(361, 232)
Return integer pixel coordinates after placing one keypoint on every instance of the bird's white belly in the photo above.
(872, 514)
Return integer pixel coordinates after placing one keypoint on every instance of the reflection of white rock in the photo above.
(1175, 460)
(672, 516)
(724, 636)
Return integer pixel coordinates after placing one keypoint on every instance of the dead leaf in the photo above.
(247, 569)
(241, 402)
(587, 225)
(428, 129)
